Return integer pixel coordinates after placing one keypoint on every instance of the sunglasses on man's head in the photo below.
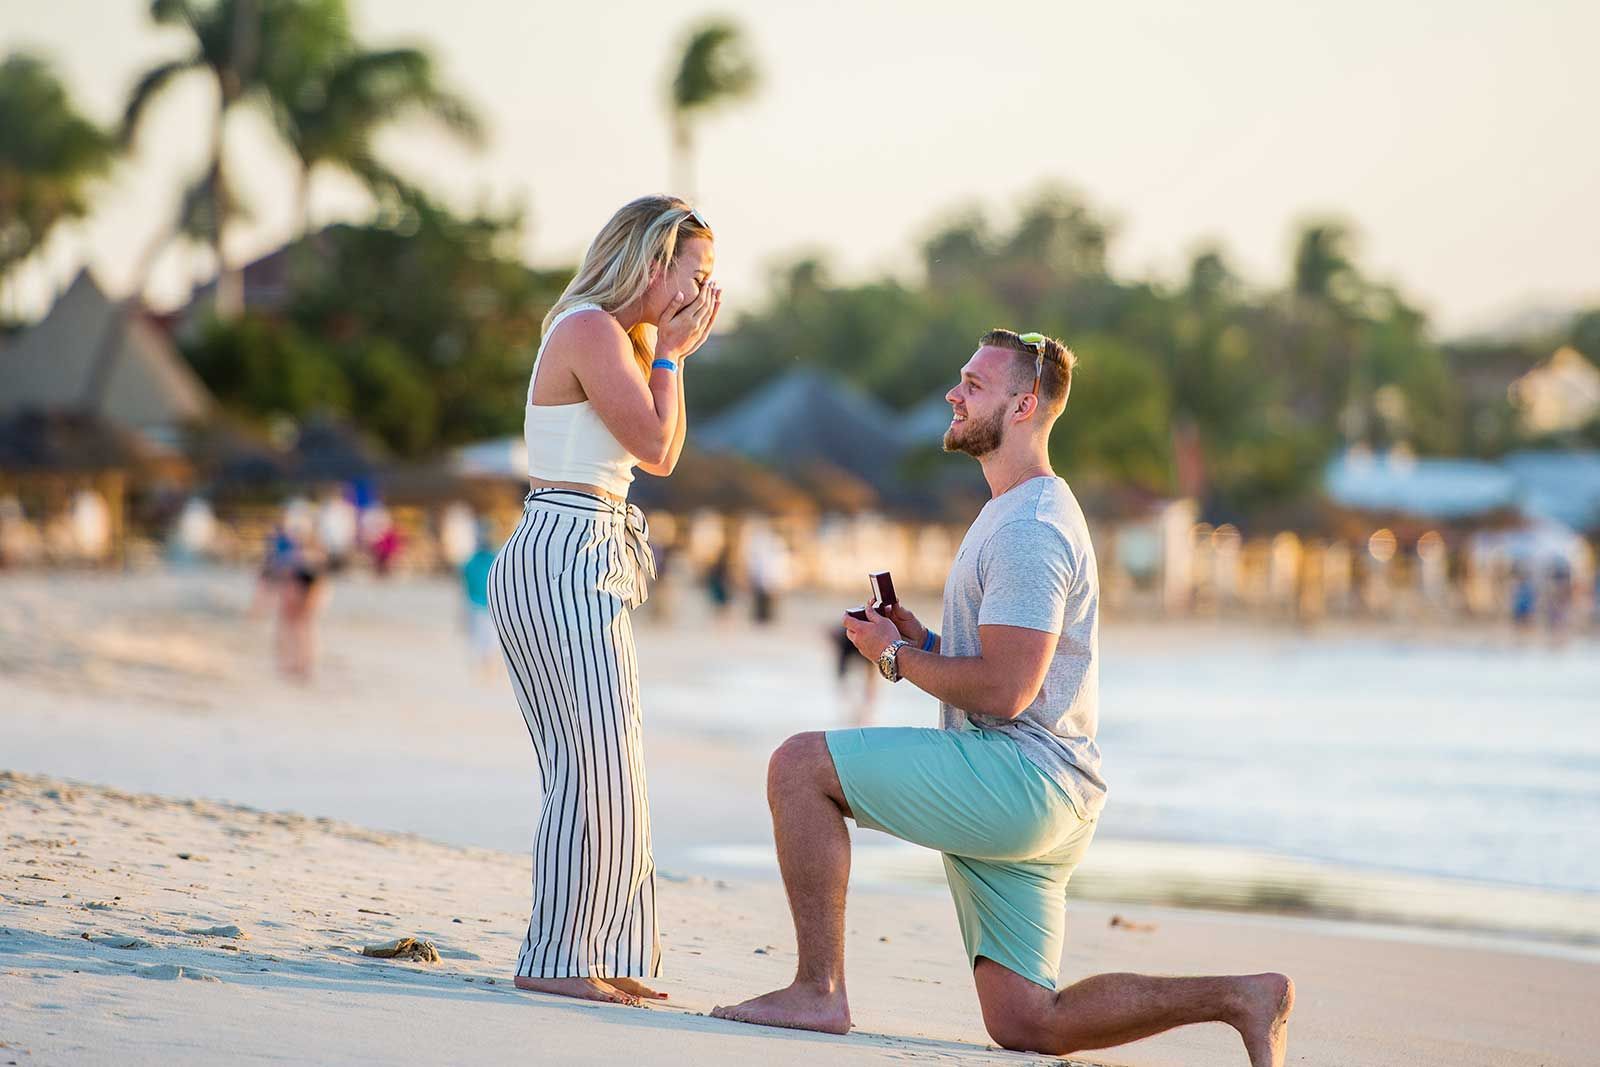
(1036, 343)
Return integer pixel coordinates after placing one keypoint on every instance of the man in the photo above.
(1009, 788)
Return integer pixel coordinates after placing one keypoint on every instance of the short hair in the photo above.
(1055, 377)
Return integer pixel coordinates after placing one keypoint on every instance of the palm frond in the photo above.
(150, 85)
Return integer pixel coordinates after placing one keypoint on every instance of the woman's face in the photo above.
(687, 272)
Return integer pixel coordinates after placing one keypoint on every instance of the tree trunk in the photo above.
(229, 298)
(302, 201)
(682, 159)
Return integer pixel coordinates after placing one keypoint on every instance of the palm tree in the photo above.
(329, 109)
(48, 155)
(1322, 260)
(227, 42)
(716, 68)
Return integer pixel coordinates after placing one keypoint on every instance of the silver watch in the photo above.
(889, 659)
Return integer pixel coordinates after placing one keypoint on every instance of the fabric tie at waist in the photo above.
(630, 517)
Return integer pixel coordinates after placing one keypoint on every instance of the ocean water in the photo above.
(1455, 755)
(1446, 778)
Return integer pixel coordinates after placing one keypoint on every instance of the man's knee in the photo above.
(1016, 1012)
(803, 762)
(1017, 1032)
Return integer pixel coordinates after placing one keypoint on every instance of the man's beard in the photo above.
(979, 436)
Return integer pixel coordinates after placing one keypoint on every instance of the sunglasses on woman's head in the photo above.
(699, 220)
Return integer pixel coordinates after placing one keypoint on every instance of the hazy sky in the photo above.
(1458, 135)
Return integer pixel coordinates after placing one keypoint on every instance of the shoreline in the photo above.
(140, 929)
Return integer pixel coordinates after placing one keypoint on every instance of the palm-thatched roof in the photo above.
(90, 353)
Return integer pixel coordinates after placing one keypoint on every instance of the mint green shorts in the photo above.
(1009, 835)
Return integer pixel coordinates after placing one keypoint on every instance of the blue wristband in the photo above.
(664, 364)
(928, 641)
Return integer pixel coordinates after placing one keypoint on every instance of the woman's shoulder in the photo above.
(589, 322)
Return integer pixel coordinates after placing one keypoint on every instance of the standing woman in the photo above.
(606, 396)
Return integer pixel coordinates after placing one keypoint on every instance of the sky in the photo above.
(1452, 133)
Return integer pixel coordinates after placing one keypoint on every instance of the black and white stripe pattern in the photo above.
(560, 593)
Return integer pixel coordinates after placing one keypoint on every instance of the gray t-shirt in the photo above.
(1027, 561)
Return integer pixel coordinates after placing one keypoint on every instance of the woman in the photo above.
(606, 396)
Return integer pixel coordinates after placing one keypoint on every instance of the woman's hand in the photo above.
(685, 325)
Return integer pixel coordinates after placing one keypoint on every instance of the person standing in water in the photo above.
(606, 396)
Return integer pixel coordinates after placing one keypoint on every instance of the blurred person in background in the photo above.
(719, 582)
(302, 594)
(1524, 598)
(481, 641)
(605, 396)
(766, 560)
(276, 558)
(863, 705)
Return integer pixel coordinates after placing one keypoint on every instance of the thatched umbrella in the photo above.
(79, 442)
(50, 455)
(725, 483)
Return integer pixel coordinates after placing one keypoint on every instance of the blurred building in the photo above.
(1561, 394)
(94, 355)
(824, 434)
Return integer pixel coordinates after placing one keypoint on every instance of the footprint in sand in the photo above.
(117, 940)
(168, 972)
(219, 931)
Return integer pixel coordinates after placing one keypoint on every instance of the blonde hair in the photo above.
(615, 271)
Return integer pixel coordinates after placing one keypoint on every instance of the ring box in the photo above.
(883, 596)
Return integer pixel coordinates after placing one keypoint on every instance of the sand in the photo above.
(141, 930)
(218, 933)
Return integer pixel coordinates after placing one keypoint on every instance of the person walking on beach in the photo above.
(481, 636)
(1009, 787)
(605, 396)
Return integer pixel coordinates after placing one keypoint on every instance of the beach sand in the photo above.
(160, 684)
(136, 929)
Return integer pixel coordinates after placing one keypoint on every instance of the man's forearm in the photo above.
(965, 682)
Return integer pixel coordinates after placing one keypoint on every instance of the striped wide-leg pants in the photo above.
(560, 593)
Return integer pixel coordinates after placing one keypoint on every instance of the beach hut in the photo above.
(805, 417)
(103, 357)
(52, 462)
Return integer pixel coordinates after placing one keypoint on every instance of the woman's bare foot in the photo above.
(798, 1007)
(581, 988)
(1264, 1018)
(636, 988)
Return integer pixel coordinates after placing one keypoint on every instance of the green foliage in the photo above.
(48, 156)
(265, 367)
(1119, 416)
(1267, 385)
(421, 328)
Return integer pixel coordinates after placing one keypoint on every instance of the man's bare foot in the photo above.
(581, 988)
(638, 989)
(1263, 1021)
(798, 1007)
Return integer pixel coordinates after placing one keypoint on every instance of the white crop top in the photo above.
(568, 442)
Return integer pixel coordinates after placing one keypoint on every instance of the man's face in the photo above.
(981, 403)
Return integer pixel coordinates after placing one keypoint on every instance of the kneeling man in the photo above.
(1009, 787)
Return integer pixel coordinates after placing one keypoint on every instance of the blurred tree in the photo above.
(329, 98)
(1584, 334)
(226, 43)
(419, 327)
(715, 68)
(48, 156)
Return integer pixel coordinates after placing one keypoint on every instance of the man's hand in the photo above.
(874, 635)
(907, 624)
